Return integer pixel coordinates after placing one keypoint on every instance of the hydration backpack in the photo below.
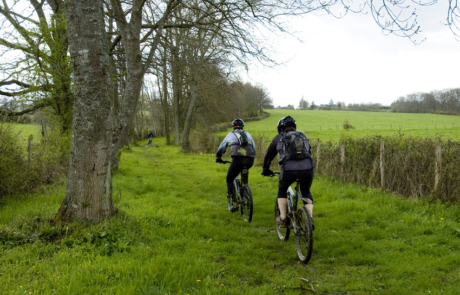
(295, 145)
(242, 137)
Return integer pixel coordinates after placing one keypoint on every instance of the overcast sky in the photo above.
(351, 61)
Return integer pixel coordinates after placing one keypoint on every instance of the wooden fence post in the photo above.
(382, 164)
(29, 149)
(318, 153)
(438, 165)
(342, 158)
(262, 147)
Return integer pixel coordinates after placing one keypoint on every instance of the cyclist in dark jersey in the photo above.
(291, 169)
(243, 152)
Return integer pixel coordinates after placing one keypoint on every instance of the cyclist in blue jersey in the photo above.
(243, 152)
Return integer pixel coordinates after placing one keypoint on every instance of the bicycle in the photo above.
(300, 221)
(149, 142)
(243, 195)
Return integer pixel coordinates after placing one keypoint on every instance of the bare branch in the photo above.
(11, 113)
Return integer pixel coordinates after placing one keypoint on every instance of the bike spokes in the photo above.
(283, 233)
(304, 235)
(246, 204)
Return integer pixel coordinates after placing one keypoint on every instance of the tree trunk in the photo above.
(89, 189)
(176, 93)
(194, 95)
(165, 102)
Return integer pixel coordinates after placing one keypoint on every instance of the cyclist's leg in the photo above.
(246, 163)
(305, 185)
(284, 182)
(233, 171)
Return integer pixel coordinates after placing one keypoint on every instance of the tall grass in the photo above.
(173, 235)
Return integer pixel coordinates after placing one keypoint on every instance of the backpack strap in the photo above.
(242, 138)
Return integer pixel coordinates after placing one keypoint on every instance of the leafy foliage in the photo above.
(21, 171)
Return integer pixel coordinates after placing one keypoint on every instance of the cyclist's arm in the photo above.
(223, 146)
(271, 152)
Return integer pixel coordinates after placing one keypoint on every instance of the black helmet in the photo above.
(238, 124)
(283, 122)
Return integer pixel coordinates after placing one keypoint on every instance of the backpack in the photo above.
(242, 137)
(295, 145)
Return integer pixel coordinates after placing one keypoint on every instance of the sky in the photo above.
(350, 60)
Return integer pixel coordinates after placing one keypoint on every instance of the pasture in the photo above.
(25, 130)
(328, 125)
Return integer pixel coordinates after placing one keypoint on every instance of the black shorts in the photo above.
(237, 165)
(288, 177)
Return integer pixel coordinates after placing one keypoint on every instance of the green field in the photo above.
(328, 125)
(23, 131)
(174, 235)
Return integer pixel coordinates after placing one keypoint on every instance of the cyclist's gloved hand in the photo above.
(219, 160)
(267, 172)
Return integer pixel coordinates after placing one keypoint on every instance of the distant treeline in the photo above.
(438, 102)
(367, 107)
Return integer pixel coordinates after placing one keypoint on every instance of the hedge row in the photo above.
(409, 165)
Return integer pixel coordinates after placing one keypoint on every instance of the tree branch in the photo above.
(11, 113)
(11, 82)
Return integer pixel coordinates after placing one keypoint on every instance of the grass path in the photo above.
(173, 235)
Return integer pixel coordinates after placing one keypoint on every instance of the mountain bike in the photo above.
(243, 195)
(299, 220)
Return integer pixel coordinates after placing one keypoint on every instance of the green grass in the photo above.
(173, 235)
(23, 131)
(328, 125)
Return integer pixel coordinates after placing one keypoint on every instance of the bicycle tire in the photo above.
(304, 234)
(246, 204)
(283, 233)
(236, 184)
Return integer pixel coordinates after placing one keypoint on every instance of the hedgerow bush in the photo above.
(13, 166)
(409, 164)
(50, 156)
(20, 171)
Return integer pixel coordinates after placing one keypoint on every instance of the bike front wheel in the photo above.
(246, 204)
(304, 234)
(283, 233)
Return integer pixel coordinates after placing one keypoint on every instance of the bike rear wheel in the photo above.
(246, 204)
(304, 234)
(283, 233)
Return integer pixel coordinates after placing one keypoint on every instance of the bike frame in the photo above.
(242, 188)
(292, 200)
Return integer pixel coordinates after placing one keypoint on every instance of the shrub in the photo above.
(13, 165)
(409, 164)
(48, 160)
(347, 125)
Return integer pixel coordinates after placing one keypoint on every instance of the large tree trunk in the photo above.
(89, 189)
